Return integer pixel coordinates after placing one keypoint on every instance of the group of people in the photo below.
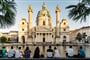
(70, 53)
(51, 53)
(18, 53)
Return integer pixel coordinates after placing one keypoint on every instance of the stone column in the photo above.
(30, 19)
(57, 19)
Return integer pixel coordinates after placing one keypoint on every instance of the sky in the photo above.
(22, 6)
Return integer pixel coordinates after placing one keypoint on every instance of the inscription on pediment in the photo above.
(44, 29)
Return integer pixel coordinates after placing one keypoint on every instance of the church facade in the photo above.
(43, 31)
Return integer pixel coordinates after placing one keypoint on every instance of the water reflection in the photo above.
(62, 49)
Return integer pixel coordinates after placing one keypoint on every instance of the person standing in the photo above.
(56, 53)
(37, 53)
(81, 52)
(50, 52)
(27, 52)
(69, 52)
(11, 53)
(4, 51)
(18, 53)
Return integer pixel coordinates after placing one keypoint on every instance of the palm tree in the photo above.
(84, 36)
(79, 11)
(7, 13)
(3, 39)
(79, 37)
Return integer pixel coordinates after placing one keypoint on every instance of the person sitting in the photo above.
(70, 52)
(0, 52)
(56, 53)
(81, 52)
(37, 53)
(27, 52)
(49, 52)
(4, 51)
(11, 53)
(18, 53)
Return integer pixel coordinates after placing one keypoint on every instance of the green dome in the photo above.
(40, 13)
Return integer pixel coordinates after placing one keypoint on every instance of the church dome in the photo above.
(44, 11)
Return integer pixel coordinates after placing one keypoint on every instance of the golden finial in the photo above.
(44, 5)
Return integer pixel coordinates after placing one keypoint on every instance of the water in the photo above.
(61, 49)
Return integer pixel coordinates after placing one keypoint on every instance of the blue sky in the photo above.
(22, 6)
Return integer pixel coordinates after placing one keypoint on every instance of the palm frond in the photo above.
(9, 12)
(71, 6)
(79, 12)
(86, 2)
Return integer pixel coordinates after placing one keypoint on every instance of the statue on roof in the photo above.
(58, 8)
(30, 8)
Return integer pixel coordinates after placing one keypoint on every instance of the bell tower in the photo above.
(57, 24)
(30, 11)
(57, 19)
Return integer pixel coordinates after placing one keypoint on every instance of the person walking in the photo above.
(4, 51)
(37, 53)
(18, 53)
(56, 53)
(11, 53)
(70, 52)
(50, 52)
(81, 52)
(27, 52)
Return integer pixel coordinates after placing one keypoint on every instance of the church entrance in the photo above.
(43, 39)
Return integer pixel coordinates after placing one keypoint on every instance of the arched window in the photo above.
(64, 23)
(64, 37)
(22, 29)
(23, 23)
(43, 34)
(64, 29)
(43, 22)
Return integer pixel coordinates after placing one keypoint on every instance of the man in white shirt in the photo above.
(18, 53)
(11, 53)
(56, 53)
(69, 51)
(49, 52)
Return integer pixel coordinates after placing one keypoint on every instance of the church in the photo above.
(43, 31)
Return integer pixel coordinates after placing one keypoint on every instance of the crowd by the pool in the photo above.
(51, 53)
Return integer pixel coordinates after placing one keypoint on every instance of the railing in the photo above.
(44, 58)
(42, 44)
